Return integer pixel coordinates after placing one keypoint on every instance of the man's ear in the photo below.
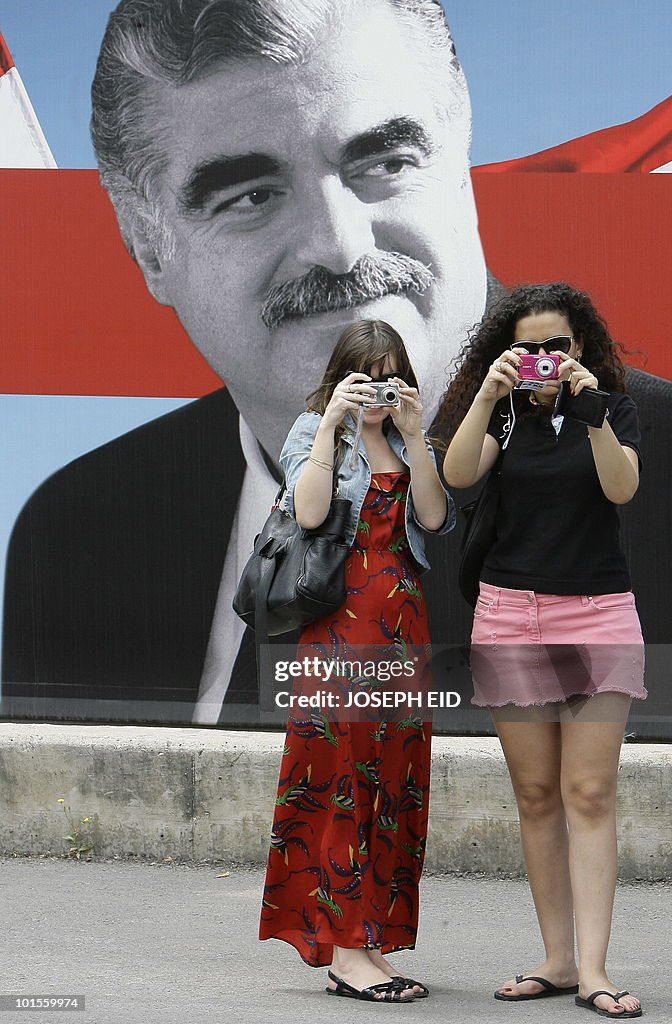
(151, 263)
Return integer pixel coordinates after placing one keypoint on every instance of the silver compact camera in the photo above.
(387, 393)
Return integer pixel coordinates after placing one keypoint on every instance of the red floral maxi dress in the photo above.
(350, 825)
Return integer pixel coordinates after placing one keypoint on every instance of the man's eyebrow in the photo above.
(395, 132)
(223, 172)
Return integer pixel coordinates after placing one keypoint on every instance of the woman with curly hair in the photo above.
(557, 650)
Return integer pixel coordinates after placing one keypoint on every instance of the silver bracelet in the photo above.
(318, 462)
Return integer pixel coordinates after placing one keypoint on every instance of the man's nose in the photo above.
(334, 230)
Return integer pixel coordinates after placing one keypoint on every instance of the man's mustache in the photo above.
(320, 291)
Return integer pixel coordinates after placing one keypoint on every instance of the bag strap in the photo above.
(470, 507)
(338, 462)
(261, 610)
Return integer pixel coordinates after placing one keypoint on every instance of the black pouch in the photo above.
(479, 534)
(589, 406)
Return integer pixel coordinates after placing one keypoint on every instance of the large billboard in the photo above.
(145, 400)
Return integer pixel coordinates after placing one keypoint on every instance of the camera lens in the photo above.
(389, 396)
(545, 367)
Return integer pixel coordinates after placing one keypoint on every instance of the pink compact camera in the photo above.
(535, 372)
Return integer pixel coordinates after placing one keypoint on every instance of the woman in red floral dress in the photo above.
(348, 838)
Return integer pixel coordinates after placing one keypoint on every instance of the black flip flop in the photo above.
(589, 1004)
(549, 990)
(409, 983)
(391, 991)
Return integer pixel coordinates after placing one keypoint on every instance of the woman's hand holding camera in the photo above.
(348, 395)
(578, 376)
(501, 377)
(407, 416)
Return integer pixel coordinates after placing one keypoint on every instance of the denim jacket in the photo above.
(353, 483)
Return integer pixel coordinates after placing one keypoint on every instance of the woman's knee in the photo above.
(589, 798)
(537, 798)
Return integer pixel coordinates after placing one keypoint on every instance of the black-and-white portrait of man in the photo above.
(279, 169)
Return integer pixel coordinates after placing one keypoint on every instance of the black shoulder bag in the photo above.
(479, 534)
(294, 576)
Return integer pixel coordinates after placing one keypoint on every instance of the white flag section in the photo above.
(22, 141)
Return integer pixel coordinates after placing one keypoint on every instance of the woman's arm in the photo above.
(429, 498)
(617, 465)
(430, 503)
(472, 452)
(314, 488)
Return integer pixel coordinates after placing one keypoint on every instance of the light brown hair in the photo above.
(360, 346)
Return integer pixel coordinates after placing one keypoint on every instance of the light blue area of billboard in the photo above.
(539, 73)
(41, 433)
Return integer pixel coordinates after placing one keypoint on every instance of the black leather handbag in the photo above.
(294, 575)
(479, 535)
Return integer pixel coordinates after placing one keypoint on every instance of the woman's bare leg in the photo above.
(532, 748)
(591, 742)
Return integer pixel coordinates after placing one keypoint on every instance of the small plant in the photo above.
(80, 835)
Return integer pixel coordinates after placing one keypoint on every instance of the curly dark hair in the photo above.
(601, 354)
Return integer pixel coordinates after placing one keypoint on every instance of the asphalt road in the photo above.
(170, 944)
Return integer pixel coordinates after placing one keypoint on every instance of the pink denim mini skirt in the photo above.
(533, 649)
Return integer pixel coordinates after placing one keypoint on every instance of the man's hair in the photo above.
(172, 42)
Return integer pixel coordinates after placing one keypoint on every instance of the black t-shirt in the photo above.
(557, 533)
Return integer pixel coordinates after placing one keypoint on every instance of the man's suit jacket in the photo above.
(115, 563)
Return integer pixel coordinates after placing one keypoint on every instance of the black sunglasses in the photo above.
(559, 343)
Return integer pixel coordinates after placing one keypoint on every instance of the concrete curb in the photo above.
(195, 795)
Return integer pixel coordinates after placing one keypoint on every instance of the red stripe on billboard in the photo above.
(77, 318)
(609, 235)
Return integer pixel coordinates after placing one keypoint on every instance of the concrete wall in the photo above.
(199, 794)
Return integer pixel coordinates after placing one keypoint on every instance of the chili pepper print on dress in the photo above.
(348, 837)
